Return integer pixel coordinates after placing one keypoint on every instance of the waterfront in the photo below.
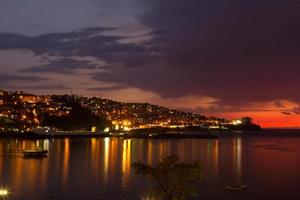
(88, 168)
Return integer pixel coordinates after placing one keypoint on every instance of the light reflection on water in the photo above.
(66, 157)
(88, 168)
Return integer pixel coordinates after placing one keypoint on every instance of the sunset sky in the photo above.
(219, 58)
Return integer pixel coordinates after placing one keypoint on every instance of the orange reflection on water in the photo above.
(216, 155)
(32, 171)
(93, 145)
(239, 159)
(23, 145)
(66, 158)
(44, 166)
(18, 172)
(106, 157)
(113, 156)
(95, 155)
(225, 161)
(126, 161)
(164, 148)
(150, 152)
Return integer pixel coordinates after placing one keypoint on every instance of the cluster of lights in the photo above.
(123, 117)
(123, 125)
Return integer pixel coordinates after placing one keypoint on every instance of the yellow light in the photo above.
(126, 123)
(126, 128)
(106, 130)
(94, 129)
(236, 122)
(4, 192)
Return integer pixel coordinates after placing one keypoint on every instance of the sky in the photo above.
(219, 58)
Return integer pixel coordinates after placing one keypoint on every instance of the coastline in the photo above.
(202, 134)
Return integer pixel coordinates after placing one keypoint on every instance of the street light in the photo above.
(4, 192)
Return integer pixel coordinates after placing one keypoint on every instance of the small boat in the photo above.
(235, 187)
(36, 153)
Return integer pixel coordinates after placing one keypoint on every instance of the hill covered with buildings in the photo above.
(20, 111)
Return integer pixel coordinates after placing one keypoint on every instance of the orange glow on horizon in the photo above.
(267, 119)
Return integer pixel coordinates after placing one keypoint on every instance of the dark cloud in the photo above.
(60, 43)
(286, 113)
(237, 51)
(44, 87)
(292, 112)
(62, 66)
(86, 42)
(297, 112)
(6, 78)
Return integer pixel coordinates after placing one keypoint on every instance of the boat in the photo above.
(36, 153)
(235, 187)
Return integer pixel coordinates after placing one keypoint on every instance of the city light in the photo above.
(236, 122)
(32, 111)
(4, 192)
(106, 130)
(126, 128)
(94, 129)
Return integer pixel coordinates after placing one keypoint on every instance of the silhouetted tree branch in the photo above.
(172, 179)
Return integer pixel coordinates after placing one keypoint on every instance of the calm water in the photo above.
(89, 168)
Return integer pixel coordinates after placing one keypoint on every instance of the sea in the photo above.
(101, 168)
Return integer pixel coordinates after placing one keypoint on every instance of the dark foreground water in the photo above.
(92, 168)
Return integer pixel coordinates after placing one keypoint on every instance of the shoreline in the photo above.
(211, 134)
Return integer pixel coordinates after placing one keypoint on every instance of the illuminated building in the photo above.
(236, 122)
